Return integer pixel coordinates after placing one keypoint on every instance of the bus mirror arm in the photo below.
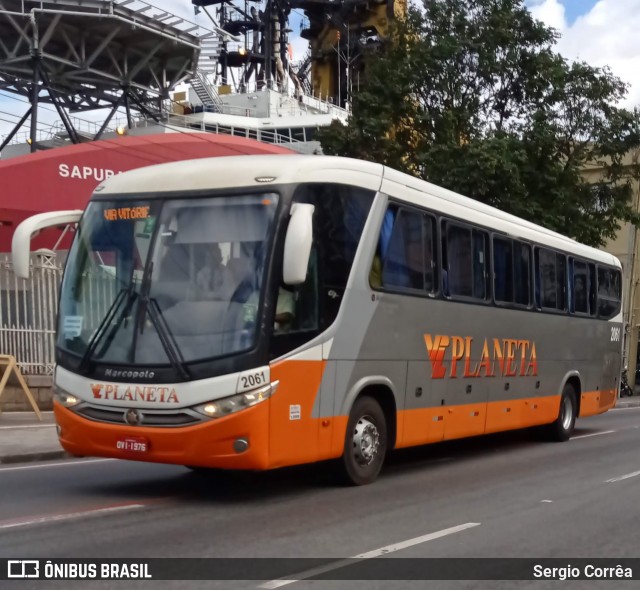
(21, 241)
(297, 244)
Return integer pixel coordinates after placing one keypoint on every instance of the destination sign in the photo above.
(126, 213)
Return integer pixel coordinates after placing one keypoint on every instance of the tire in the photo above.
(365, 444)
(561, 429)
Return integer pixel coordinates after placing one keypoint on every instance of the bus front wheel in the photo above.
(561, 429)
(365, 444)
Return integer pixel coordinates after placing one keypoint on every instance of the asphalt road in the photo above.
(505, 495)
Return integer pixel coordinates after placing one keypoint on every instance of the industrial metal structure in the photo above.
(81, 55)
(127, 56)
(339, 34)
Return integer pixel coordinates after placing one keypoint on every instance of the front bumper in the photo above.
(208, 444)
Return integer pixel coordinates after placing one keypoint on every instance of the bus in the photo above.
(256, 312)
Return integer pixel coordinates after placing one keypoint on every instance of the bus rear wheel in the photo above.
(561, 429)
(365, 444)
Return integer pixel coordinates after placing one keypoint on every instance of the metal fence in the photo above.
(28, 312)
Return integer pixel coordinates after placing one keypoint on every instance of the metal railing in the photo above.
(28, 313)
(49, 131)
(280, 137)
(142, 14)
(28, 308)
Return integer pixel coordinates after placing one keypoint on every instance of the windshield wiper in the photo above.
(102, 328)
(149, 304)
(167, 339)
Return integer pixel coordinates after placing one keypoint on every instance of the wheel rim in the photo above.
(366, 441)
(567, 413)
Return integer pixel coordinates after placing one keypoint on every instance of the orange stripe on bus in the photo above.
(427, 425)
(597, 402)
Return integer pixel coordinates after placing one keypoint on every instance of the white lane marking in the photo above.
(369, 554)
(627, 476)
(624, 409)
(56, 464)
(416, 541)
(546, 501)
(70, 516)
(27, 426)
(593, 434)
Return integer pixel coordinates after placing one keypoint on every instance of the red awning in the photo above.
(64, 178)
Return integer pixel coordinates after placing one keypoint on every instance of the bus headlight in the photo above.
(67, 399)
(235, 403)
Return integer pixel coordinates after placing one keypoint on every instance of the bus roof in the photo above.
(265, 170)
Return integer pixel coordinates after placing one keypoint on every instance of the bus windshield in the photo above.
(156, 282)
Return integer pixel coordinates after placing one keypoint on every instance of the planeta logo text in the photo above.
(134, 393)
(498, 357)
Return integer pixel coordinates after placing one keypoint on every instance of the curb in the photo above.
(627, 405)
(32, 457)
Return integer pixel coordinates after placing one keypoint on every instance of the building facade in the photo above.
(626, 247)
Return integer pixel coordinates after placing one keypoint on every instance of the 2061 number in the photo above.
(253, 380)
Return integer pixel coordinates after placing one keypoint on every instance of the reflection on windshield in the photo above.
(189, 267)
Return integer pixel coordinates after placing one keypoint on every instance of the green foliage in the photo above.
(470, 95)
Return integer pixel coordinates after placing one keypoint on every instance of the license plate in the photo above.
(133, 444)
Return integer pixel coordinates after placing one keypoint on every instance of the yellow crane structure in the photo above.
(339, 34)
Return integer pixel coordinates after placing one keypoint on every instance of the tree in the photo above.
(470, 95)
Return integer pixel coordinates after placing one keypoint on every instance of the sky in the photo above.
(599, 32)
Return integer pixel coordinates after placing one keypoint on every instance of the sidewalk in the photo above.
(23, 438)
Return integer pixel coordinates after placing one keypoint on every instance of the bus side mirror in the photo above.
(21, 242)
(297, 244)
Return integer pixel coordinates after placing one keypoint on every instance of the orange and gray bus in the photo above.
(254, 312)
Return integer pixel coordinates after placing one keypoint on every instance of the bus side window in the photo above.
(395, 264)
(593, 290)
(375, 275)
(547, 273)
(608, 292)
(579, 287)
(457, 245)
(551, 279)
(465, 261)
(305, 312)
(522, 273)
(480, 263)
(561, 279)
(405, 254)
(430, 264)
(502, 269)
(339, 218)
(415, 246)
